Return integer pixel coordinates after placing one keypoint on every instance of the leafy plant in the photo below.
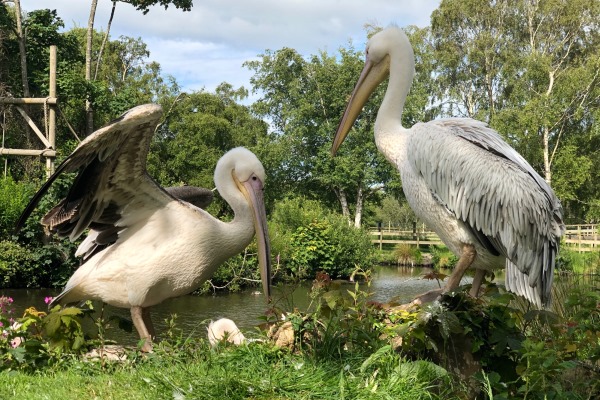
(62, 327)
(14, 196)
(443, 258)
(407, 254)
(41, 266)
(306, 239)
(21, 346)
(574, 261)
(460, 333)
(311, 251)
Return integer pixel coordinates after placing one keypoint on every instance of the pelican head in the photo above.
(381, 49)
(248, 175)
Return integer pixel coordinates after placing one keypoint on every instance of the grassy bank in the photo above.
(257, 371)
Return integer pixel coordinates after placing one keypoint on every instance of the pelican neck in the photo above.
(389, 116)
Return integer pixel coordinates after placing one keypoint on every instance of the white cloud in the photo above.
(208, 45)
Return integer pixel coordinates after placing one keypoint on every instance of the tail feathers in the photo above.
(518, 282)
(60, 299)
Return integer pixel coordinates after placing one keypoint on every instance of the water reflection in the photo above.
(245, 308)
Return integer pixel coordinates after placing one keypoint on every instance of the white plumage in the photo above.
(224, 329)
(487, 204)
(145, 245)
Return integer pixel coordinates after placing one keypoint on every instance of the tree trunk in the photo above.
(110, 19)
(546, 140)
(546, 133)
(22, 51)
(23, 57)
(89, 111)
(341, 195)
(359, 208)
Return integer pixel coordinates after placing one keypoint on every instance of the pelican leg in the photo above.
(148, 322)
(477, 280)
(138, 321)
(464, 262)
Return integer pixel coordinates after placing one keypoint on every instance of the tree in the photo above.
(530, 69)
(40, 29)
(304, 100)
(89, 111)
(198, 129)
(472, 39)
(22, 52)
(142, 5)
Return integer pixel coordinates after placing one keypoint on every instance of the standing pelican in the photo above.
(144, 244)
(486, 203)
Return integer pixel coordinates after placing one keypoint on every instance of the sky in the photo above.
(209, 44)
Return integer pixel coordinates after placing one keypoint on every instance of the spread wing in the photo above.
(106, 232)
(490, 187)
(112, 189)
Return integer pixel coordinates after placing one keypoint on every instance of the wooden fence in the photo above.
(577, 237)
(582, 237)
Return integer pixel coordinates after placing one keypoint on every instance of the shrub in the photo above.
(330, 246)
(311, 251)
(287, 217)
(443, 258)
(407, 254)
(307, 238)
(353, 247)
(14, 197)
(44, 266)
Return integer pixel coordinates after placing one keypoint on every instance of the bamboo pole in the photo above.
(32, 100)
(24, 152)
(32, 125)
(51, 112)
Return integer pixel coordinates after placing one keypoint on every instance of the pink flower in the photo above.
(47, 299)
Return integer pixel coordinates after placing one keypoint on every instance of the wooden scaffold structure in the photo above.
(48, 135)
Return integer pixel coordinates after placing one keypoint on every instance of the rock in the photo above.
(108, 352)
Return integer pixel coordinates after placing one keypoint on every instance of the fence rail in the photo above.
(577, 237)
(582, 237)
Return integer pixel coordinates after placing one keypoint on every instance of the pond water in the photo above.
(245, 307)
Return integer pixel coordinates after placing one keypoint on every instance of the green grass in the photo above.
(256, 371)
(579, 263)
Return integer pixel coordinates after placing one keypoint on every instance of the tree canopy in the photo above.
(528, 68)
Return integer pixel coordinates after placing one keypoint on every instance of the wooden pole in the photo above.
(51, 112)
(35, 129)
(31, 100)
(24, 152)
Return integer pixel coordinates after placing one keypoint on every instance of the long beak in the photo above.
(254, 189)
(370, 77)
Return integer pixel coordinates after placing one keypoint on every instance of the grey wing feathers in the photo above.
(492, 189)
(198, 196)
(107, 162)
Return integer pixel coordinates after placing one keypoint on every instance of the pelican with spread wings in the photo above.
(146, 244)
